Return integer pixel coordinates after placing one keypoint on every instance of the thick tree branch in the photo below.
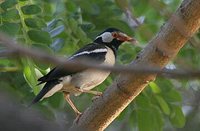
(160, 50)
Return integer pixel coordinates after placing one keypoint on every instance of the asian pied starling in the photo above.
(102, 50)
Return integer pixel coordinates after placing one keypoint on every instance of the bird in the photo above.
(103, 51)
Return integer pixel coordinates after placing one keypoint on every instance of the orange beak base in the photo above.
(123, 37)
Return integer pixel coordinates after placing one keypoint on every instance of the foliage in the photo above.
(62, 26)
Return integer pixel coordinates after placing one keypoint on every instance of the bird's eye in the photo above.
(114, 34)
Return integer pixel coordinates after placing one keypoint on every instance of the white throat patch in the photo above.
(106, 37)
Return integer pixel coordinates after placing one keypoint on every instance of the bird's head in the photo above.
(113, 37)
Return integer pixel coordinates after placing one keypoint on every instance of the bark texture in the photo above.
(160, 50)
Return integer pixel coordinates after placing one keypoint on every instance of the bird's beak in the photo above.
(123, 37)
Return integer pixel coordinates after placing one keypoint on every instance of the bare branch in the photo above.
(130, 18)
(5, 53)
(20, 51)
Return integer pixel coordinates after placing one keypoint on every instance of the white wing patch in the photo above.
(89, 52)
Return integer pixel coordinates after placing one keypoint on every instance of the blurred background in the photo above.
(60, 27)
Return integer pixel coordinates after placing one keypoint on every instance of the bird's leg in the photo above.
(96, 93)
(67, 98)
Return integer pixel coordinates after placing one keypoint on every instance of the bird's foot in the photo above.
(98, 93)
(78, 115)
(96, 96)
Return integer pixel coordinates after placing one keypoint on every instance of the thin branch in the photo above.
(133, 21)
(8, 69)
(130, 18)
(5, 53)
(20, 51)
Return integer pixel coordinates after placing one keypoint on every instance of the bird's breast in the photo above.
(110, 57)
(89, 78)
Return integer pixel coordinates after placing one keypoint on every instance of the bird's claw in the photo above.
(78, 115)
(96, 97)
(99, 94)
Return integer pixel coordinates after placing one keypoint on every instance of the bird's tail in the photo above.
(47, 87)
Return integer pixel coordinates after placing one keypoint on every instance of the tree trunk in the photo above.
(160, 50)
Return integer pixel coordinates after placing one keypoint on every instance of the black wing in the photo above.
(87, 52)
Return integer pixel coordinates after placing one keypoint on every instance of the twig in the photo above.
(130, 18)
(5, 53)
(8, 69)
(18, 50)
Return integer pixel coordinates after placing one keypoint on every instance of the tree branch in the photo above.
(17, 50)
(157, 53)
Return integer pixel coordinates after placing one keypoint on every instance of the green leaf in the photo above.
(57, 44)
(53, 23)
(155, 88)
(40, 36)
(87, 27)
(172, 96)
(45, 48)
(163, 104)
(27, 74)
(177, 117)
(10, 14)
(8, 3)
(81, 34)
(123, 114)
(149, 119)
(10, 28)
(143, 101)
(31, 9)
(57, 30)
(133, 119)
(71, 6)
(73, 24)
(35, 23)
(30, 75)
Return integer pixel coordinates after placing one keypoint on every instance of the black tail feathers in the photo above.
(47, 87)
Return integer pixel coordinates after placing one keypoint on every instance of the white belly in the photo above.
(89, 79)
